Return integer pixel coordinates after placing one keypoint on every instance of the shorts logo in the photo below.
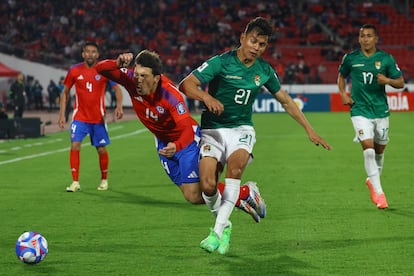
(181, 108)
(206, 148)
(360, 132)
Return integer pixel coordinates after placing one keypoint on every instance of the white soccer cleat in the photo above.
(249, 209)
(74, 187)
(255, 199)
(103, 186)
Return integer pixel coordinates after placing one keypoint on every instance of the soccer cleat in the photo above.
(74, 187)
(255, 199)
(211, 243)
(103, 186)
(371, 190)
(249, 209)
(382, 202)
(225, 240)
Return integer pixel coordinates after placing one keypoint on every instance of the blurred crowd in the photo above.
(183, 32)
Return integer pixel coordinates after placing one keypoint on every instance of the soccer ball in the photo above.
(31, 247)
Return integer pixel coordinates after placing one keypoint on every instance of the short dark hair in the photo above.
(259, 24)
(149, 59)
(90, 43)
(370, 26)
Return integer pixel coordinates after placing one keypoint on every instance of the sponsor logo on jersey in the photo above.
(257, 80)
(233, 77)
(98, 77)
(160, 109)
(358, 65)
(80, 77)
(181, 108)
(378, 65)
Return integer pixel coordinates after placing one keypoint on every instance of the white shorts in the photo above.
(376, 129)
(220, 143)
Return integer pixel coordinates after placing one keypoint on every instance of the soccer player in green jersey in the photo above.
(370, 69)
(234, 79)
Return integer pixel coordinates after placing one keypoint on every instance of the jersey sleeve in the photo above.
(343, 67)
(273, 84)
(394, 71)
(208, 70)
(109, 69)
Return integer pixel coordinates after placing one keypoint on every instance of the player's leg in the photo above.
(364, 130)
(100, 139)
(78, 131)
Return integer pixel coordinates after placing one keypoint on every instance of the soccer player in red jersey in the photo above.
(161, 107)
(88, 112)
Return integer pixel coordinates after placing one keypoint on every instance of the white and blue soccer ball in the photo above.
(31, 247)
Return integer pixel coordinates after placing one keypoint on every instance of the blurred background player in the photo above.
(162, 109)
(370, 70)
(88, 112)
(18, 96)
(227, 135)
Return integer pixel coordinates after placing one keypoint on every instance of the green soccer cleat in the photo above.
(225, 240)
(211, 243)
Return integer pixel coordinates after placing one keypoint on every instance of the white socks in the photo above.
(373, 170)
(213, 202)
(230, 195)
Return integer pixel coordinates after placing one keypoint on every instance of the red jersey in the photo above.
(89, 105)
(163, 112)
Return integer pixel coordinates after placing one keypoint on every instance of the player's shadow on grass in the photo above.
(135, 198)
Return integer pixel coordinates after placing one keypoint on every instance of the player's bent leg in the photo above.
(244, 206)
(192, 192)
(255, 199)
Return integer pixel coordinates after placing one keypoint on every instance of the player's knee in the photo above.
(193, 198)
(208, 186)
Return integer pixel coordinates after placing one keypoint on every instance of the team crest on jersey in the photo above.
(378, 65)
(181, 108)
(257, 80)
(98, 77)
(160, 109)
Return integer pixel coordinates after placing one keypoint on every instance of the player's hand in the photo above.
(124, 60)
(62, 122)
(213, 105)
(346, 99)
(119, 113)
(383, 80)
(317, 140)
(169, 150)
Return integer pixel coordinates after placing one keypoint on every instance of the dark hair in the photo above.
(90, 43)
(261, 25)
(370, 26)
(149, 59)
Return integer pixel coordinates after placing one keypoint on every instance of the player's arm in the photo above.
(293, 110)
(396, 83)
(119, 113)
(63, 100)
(186, 137)
(346, 99)
(190, 86)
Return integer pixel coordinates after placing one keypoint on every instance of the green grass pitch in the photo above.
(320, 220)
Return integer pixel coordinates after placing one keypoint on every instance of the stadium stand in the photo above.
(310, 38)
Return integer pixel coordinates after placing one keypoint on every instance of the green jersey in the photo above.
(370, 98)
(236, 86)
